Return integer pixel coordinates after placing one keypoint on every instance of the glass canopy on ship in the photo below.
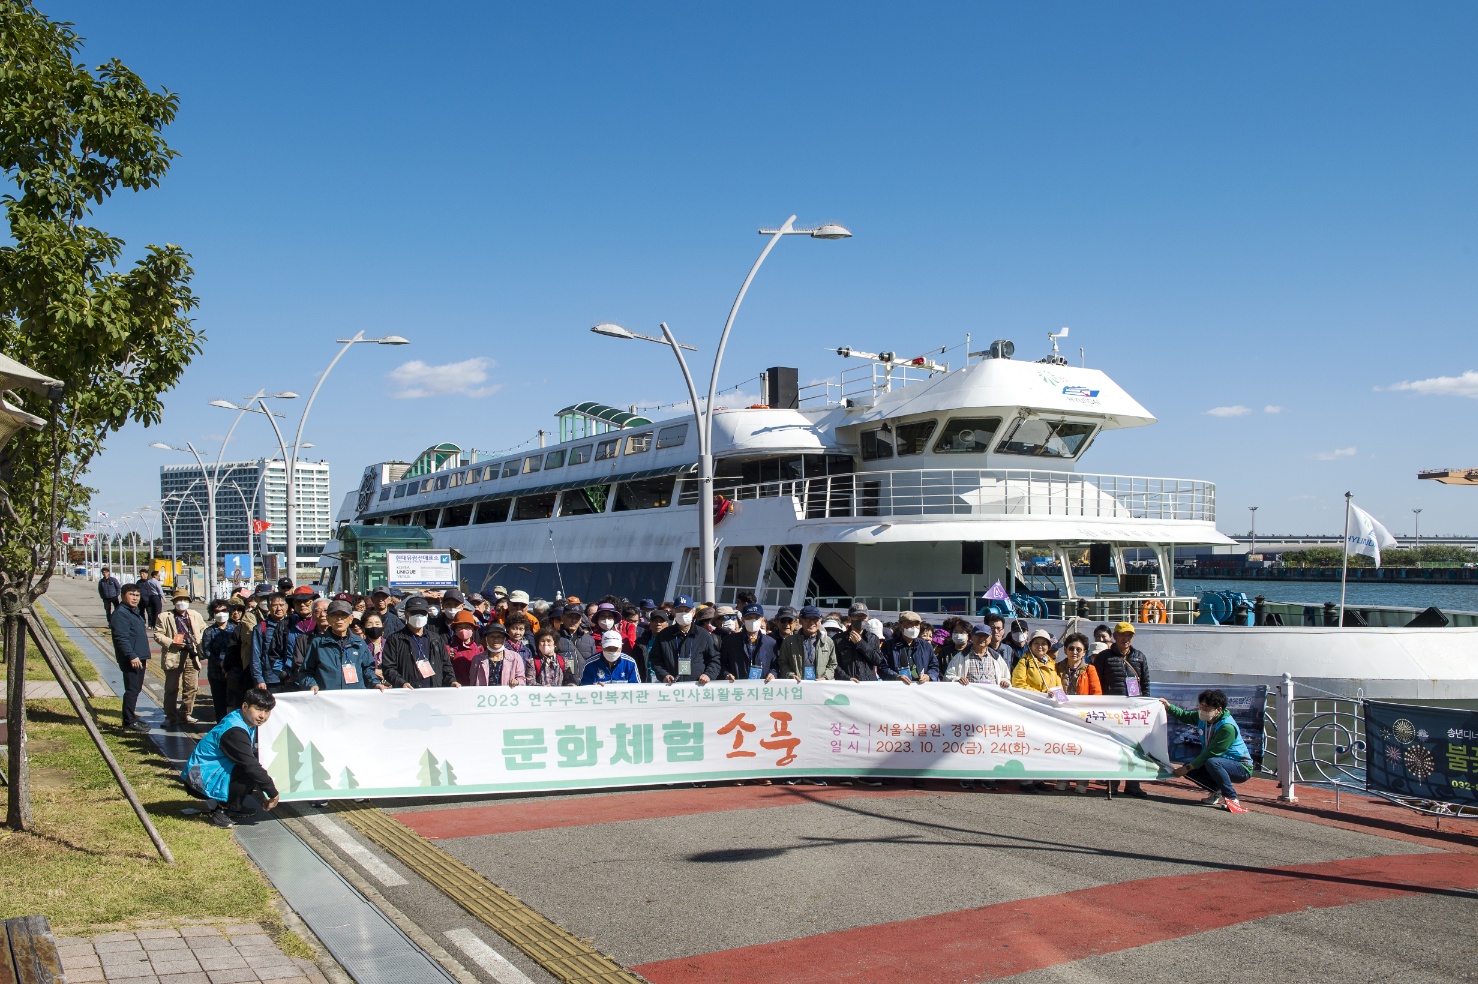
(900, 484)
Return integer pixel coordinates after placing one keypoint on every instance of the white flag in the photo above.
(1366, 535)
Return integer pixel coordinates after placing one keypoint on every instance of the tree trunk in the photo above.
(18, 792)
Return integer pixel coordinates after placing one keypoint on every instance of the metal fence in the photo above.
(981, 492)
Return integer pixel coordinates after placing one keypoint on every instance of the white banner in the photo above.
(420, 568)
(446, 742)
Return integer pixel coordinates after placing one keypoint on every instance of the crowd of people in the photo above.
(267, 640)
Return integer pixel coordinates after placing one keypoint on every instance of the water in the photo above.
(1448, 597)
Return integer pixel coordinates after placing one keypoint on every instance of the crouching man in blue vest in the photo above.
(1224, 758)
(224, 767)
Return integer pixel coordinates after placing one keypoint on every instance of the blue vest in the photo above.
(209, 770)
(1238, 752)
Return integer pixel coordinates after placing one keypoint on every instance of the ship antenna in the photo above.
(1053, 337)
(559, 575)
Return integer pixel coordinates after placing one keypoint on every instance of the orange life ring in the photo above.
(722, 506)
(1153, 610)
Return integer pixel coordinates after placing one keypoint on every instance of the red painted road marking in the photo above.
(580, 811)
(1014, 937)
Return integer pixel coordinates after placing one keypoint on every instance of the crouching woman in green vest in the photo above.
(1224, 759)
(224, 767)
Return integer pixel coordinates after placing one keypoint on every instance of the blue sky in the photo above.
(1234, 208)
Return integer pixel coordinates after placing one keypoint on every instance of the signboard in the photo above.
(421, 568)
(237, 567)
(1428, 753)
(1247, 704)
(272, 565)
(447, 742)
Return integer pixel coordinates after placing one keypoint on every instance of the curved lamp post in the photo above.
(704, 417)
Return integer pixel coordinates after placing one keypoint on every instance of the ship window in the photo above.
(555, 459)
(914, 438)
(400, 491)
(510, 468)
(606, 449)
(671, 437)
(584, 502)
(474, 476)
(426, 518)
(489, 473)
(385, 493)
(648, 493)
(494, 511)
(456, 480)
(580, 455)
(456, 515)
(441, 481)
(534, 506)
(399, 519)
(967, 435)
(533, 464)
(877, 444)
(637, 443)
(1046, 438)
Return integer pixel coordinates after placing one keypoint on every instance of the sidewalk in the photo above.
(230, 953)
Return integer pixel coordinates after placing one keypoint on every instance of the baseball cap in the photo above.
(682, 601)
(658, 615)
(380, 592)
(810, 611)
(611, 640)
(648, 604)
(753, 611)
(476, 598)
(284, 584)
(340, 607)
(785, 612)
(909, 617)
(518, 598)
(980, 629)
(1124, 627)
(858, 608)
(453, 597)
(500, 591)
(263, 590)
(727, 610)
(417, 606)
(492, 627)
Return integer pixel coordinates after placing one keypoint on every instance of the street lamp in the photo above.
(290, 464)
(704, 417)
(1416, 518)
(1253, 510)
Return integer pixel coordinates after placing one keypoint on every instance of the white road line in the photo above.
(342, 839)
(486, 957)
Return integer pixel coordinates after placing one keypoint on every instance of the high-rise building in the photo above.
(247, 490)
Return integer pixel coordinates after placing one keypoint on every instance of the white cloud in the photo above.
(1270, 408)
(415, 379)
(1238, 411)
(1334, 455)
(1464, 385)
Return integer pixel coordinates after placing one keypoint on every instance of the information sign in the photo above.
(421, 568)
(1428, 753)
(1246, 703)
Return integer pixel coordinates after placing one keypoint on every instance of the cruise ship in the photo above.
(901, 483)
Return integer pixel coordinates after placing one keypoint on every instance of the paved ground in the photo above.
(825, 884)
(229, 954)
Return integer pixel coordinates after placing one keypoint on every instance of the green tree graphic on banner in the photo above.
(347, 780)
(311, 774)
(448, 774)
(287, 759)
(430, 772)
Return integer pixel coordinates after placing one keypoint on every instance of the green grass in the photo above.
(87, 862)
(80, 663)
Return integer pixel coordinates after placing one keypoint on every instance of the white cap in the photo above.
(611, 640)
(519, 598)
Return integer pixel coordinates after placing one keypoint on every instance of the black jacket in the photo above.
(109, 588)
(861, 660)
(735, 657)
(398, 661)
(130, 635)
(901, 653)
(698, 645)
(1114, 675)
(578, 648)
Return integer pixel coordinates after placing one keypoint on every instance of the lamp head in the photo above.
(831, 230)
(393, 340)
(160, 445)
(225, 405)
(611, 331)
(284, 395)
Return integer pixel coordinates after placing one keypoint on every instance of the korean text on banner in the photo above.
(1426, 753)
(420, 568)
(494, 739)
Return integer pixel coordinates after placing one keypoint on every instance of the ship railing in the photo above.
(980, 492)
(944, 604)
(861, 385)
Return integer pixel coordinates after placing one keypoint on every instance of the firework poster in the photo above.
(1247, 704)
(1423, 752)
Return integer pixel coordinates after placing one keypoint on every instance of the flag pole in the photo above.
(1344, 571)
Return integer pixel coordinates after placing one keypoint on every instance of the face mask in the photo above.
(912, 632)
(730, 624)
(1207, 716)
(452, 609)
(960, 638)
(374, 631)
(1018, 637)
(684, 619)
(465, 635)
(222, 617)
(433, 611)
(182, 606)
(751, 625)
(417, 621)
(611, 655)
(495, 647)
(604, 623)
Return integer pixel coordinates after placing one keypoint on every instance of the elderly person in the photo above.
(415, 657)
(1035, 669)
(1124, 671)
(544, 666)
(1224, 759)
(859, 649)
(748, 654)
(572, 638)
(612, 665)
(178, 635)
(908, 656)
(518, 603)
(684, 652)
(337, 659)
(493, 663)
(809, 654)
(130, 631)
(1076, 672)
